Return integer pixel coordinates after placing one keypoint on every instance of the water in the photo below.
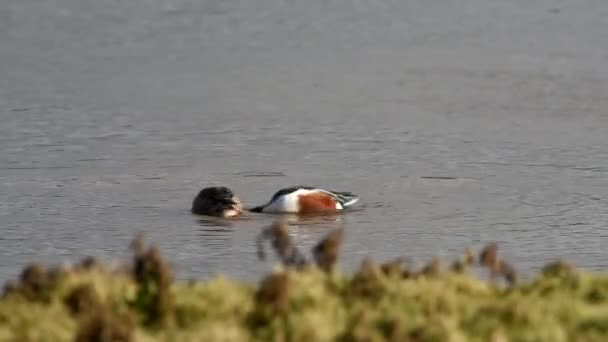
(457, 122)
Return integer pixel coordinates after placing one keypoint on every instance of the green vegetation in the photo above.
(304, 301)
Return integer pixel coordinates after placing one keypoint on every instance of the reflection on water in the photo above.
(209, 221)
(297, 220)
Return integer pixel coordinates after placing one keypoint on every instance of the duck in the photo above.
(217, 201)
(307, 200)
(220, 201)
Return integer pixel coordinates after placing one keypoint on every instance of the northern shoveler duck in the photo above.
(307, 200)
(217, 201)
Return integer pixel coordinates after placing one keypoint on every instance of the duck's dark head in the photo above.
(217, 201)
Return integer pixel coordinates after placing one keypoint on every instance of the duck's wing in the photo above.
(345, 198)
(289, 190)
(281, 193)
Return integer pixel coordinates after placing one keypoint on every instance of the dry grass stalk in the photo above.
(154, 277)
(432, 269)
(274, 291)
(278, 235)
(83, 299)
(103, 327)
(326, 252)
(489, 258)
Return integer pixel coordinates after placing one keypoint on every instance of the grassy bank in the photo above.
(306, 301)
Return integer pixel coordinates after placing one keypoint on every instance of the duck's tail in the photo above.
(346, 199)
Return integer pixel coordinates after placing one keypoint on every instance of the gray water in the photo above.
(457, 122)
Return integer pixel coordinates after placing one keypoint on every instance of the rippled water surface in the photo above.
(457, 122)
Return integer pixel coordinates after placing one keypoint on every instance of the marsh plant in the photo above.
(307, 298)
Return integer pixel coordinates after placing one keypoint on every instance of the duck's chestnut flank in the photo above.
(316, 202)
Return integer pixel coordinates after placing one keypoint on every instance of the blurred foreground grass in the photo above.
(305, 301)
